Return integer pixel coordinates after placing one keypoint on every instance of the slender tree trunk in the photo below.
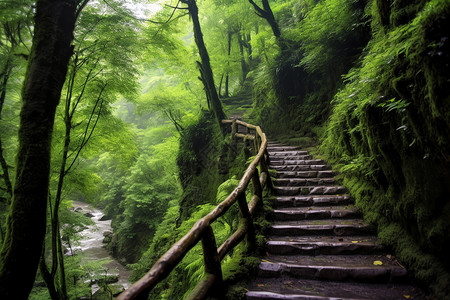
(220, 86)
(248, 45)
(4, 76)
(227, 83)
(243, 62)
(46, 73)
(208, 78)
(227, 78)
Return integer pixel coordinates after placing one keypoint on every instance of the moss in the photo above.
(386, 134)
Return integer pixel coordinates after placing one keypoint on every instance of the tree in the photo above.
(97, 74)
(266, 13)
(46, 73)
(14, 38)
(205, 66)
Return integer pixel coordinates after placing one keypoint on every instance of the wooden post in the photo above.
(212, 261)
(233, 130)
(251, 239)
(263, 165)
(257, 189)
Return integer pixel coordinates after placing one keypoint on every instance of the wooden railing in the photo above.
(202, 230)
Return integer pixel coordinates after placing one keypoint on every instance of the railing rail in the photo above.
(202, 230)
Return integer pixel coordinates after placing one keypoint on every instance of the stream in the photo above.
(92, 247)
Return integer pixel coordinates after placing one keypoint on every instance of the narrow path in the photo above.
(319, 246)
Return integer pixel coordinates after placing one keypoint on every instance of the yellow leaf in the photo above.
(266, 261)
(354, 242)
(260, 284)
(407, 296)
(378, 263)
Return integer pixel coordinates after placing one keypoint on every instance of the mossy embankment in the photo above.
(385, 124)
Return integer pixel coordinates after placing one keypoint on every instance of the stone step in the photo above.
(304, 181)
(323, 245)
(330, 227)
(305, 174)
(289, 288)
(315, 213)
(293, 157)
(293, 162)
(280, 148)
(304, 201)
(357, 268)
(287, 153)
(309, 190)
(300, 167)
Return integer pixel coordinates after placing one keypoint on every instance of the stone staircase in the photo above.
(319, 246)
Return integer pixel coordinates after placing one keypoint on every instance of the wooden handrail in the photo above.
(202, 231)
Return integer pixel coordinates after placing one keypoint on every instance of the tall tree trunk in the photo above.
(227, 83)
(227, 78)
(46, 73)
(220, 86)
(241, 51)
(248, 46)
(208, 78)
(4, 77)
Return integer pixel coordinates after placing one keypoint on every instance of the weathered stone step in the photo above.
(305, 174)
(315, 213)
(316, 200)
(287, 153)
(330, 227)
(289, 288)
(300, 167)
(309, 190)
(280, 148)
(293, 157)
(358, 268)
(304, 181)
(323, 245)
(293, 162)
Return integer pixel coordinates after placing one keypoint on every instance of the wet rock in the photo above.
(108, 237)
(105, 218)
(89, 215)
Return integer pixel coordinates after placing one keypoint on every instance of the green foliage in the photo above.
(322, 40)
(328, 32)
(388, 125)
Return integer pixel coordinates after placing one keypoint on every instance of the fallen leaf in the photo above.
(378, 263)
(389, 256)
(407, 296)
(266, 261)
(354, 242)
(260, 284)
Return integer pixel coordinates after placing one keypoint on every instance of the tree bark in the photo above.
(227, 78)
(241, 51)
(46, 73)
(266, 13)
(208, 78)
(4, 76)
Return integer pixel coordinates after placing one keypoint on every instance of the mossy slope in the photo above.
(389, 131)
